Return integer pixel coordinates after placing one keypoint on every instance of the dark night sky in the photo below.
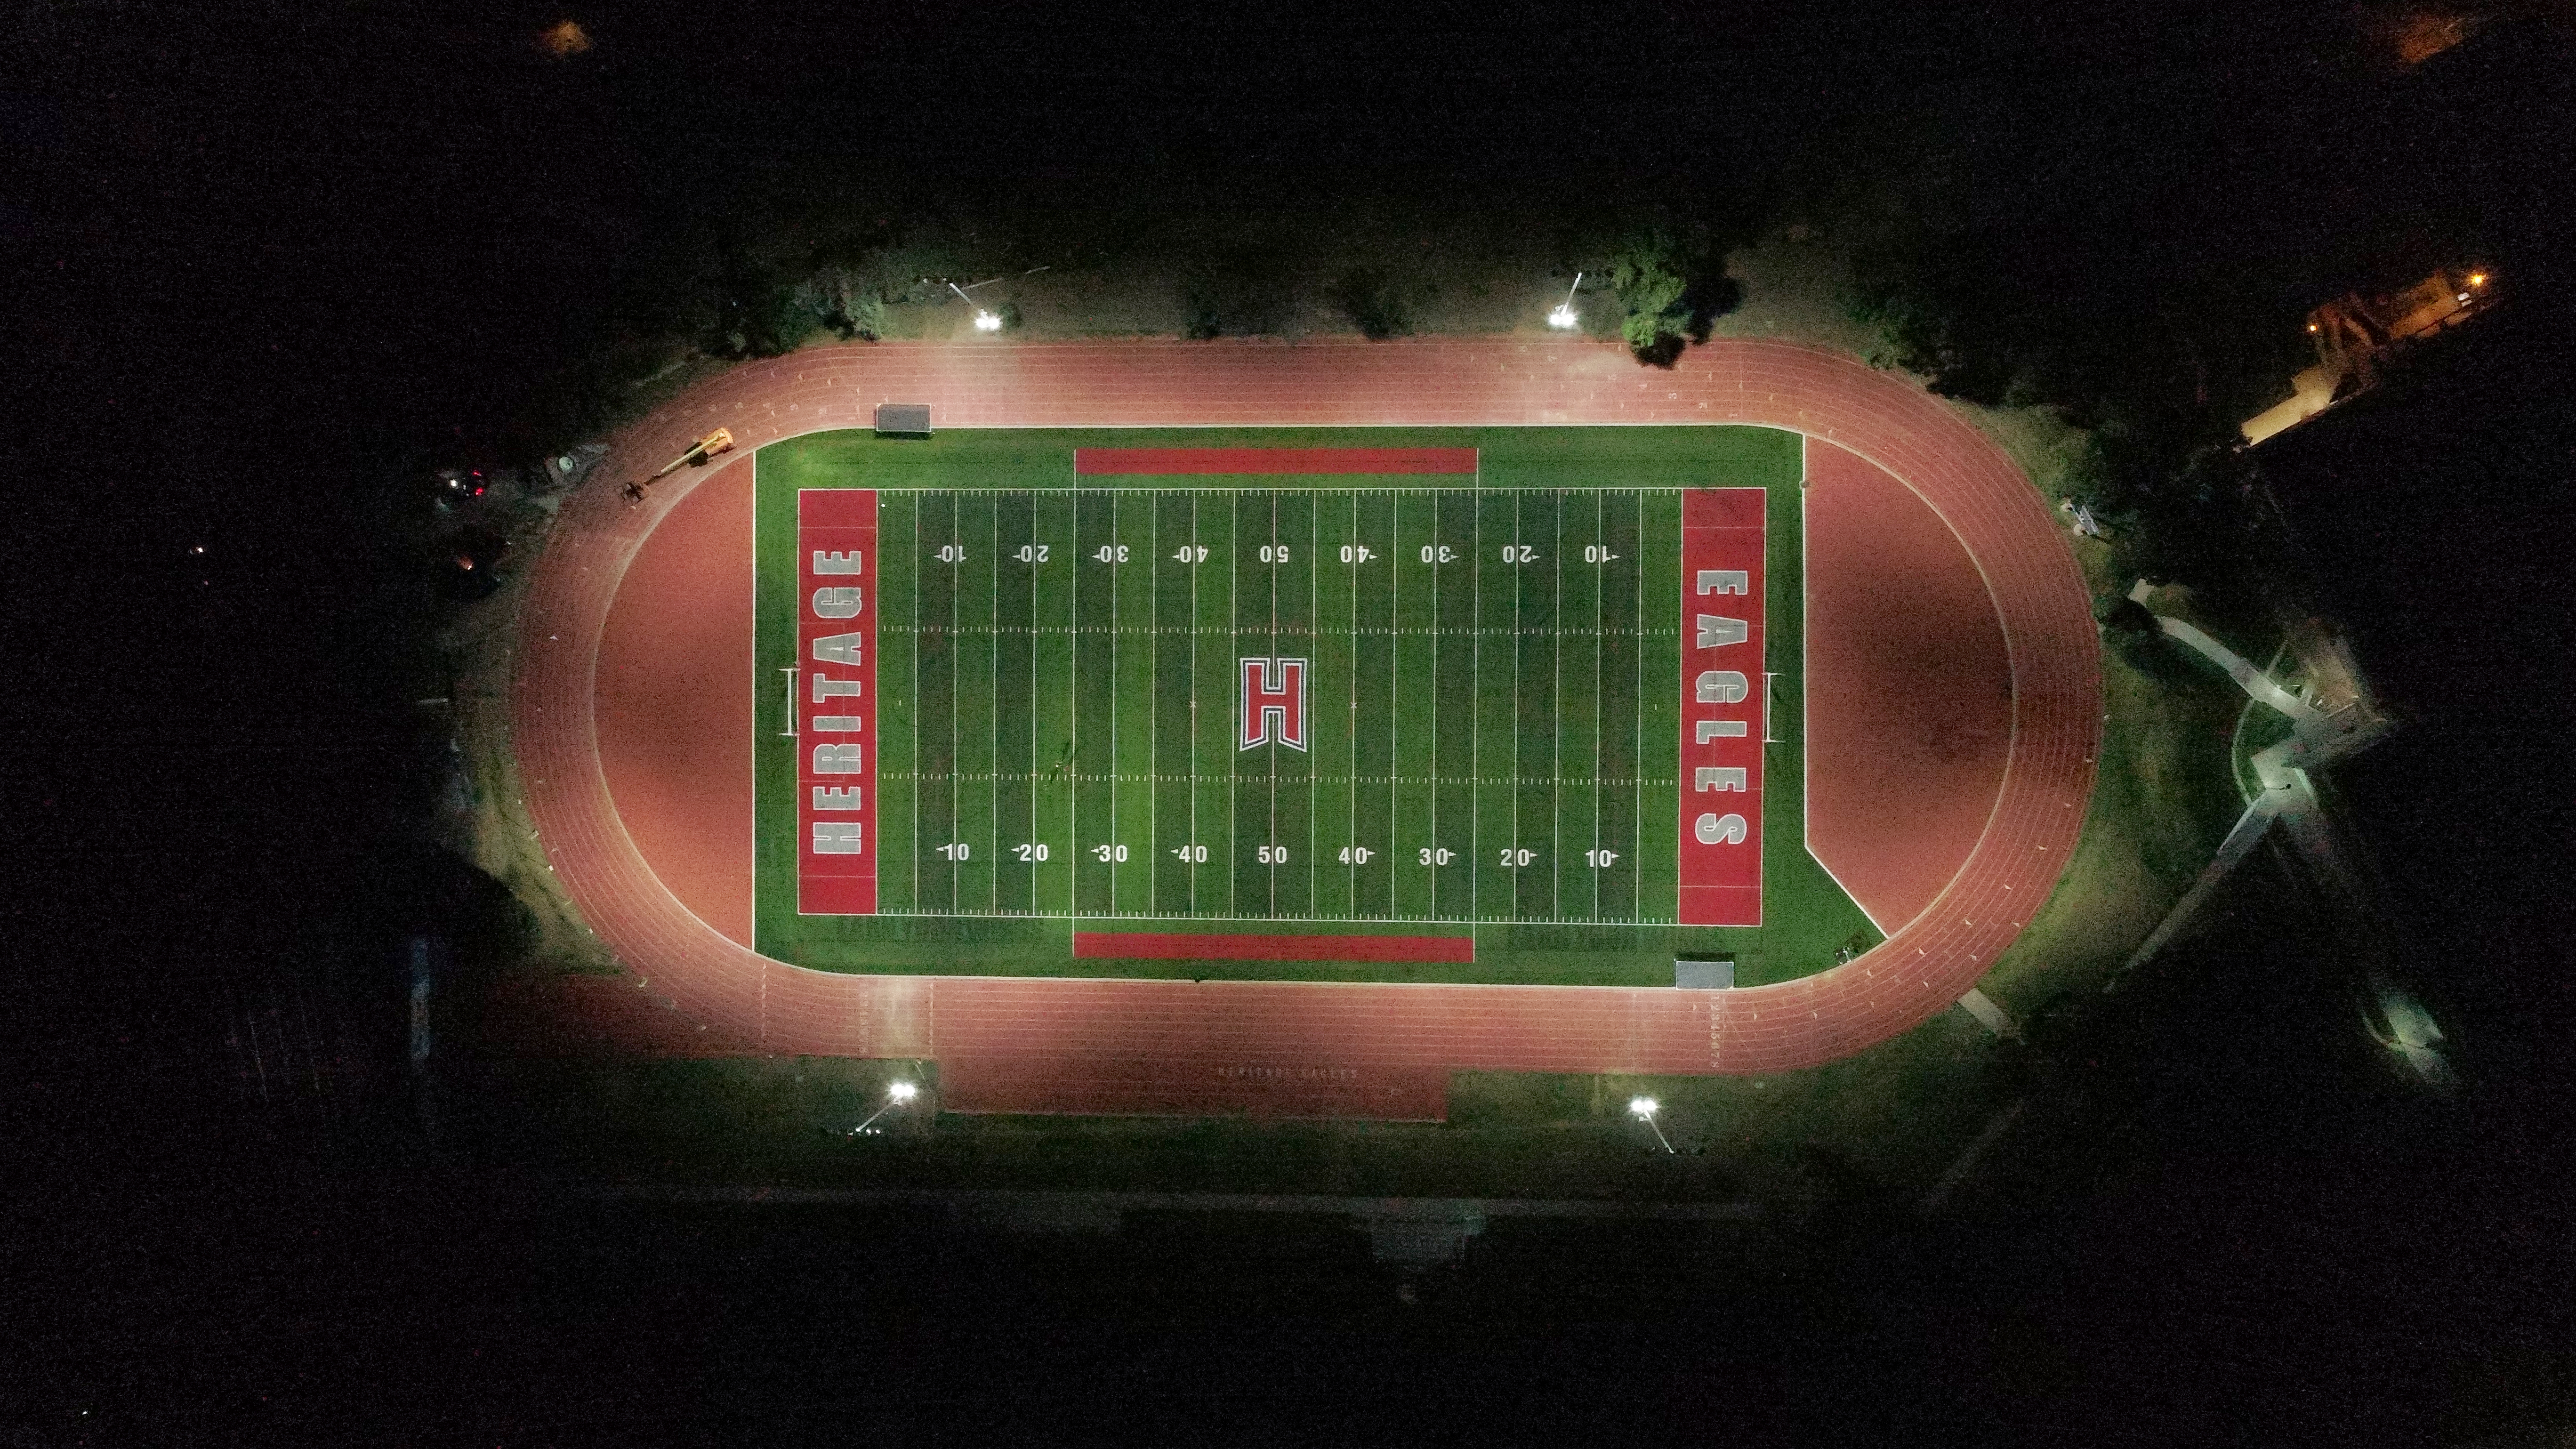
(273, 254)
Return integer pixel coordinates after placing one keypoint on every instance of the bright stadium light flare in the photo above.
(897, 1093)
(2477, 279)
(1645, 1108)
(1563, 316)
(987, 322)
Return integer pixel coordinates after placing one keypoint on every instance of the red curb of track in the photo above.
(1185, 1045)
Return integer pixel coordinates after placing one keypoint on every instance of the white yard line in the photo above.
(1270, 874)
(1520, 596)
(1198, 567)
(1153, 686)
(1394, 716)
(916, 700)
(1233, 611)
(1637, 811)
(1114, 590)
(993, 667)
(1432, 911)
(1073, 726)
(1350, 722)
(1036, 875)
(1556, 713)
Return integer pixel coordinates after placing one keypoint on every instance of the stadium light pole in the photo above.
(896, 1095)
(984, 321)
(1564, 316)
(1645, 1108)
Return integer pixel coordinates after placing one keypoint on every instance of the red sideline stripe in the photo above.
(1143, 946)
(1097, 462)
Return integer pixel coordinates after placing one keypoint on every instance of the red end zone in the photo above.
(835, 700)
(1724, 694)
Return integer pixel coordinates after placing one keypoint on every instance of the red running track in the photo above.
(1908, 691)
(1042, 1044)
(673, 687)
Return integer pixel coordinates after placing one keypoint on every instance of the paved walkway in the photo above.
(2317, 739)
(1301, 1048)
(2248, 676)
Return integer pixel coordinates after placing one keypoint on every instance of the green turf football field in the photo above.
(1493, 716)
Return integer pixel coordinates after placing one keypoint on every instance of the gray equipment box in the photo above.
(903, 420)
(1704, 975)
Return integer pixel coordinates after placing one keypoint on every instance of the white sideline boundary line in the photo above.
(1643, 633)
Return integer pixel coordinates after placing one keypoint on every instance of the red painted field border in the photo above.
(1142, 462)
(835, 702)
(1146, 946)
(1724, 698)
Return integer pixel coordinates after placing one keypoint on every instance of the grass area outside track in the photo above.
(1519, 715)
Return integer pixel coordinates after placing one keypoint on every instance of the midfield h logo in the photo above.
(1273, 703)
